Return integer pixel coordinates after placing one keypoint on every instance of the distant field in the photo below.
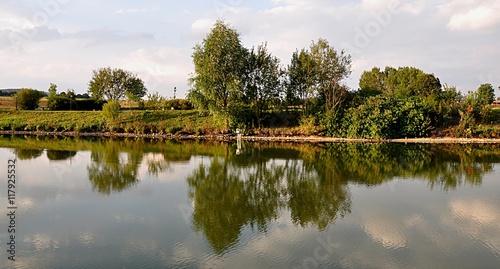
(7, 103)
(10, 103)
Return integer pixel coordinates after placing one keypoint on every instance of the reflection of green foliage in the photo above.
(59, 155)
(252, 189)
(224, 203)
(229, 194)
(315, 196)
(110, 171)
(218, 189)
(232, 191)
(28, 154)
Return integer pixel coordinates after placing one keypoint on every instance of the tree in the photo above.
(330, 68)
(52, 95)
(116, 84)
(218, 69)
(263, 80)
(300, 78)
(27, 99)
(486, 94)
(400, 83)
(52, 91)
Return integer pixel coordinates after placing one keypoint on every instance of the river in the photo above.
(136, 203)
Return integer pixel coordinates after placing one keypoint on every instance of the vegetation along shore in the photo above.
(233, 87)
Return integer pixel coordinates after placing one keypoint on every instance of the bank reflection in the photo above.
(264, 181)
(231, 191)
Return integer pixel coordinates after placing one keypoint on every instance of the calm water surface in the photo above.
(166, 204)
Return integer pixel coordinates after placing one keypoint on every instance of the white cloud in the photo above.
(135, 10)
(202, 26)
(477, 18)
(437, 37)
(467, 15)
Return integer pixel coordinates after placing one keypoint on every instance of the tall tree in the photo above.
(331, 68)
(300, 78)
(218, 69)
(116, 84)
(263, 80)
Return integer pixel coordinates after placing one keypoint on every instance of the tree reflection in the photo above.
(112, 170)
(230, 192)
(28, 154)
(227, 196)
(310, 181)
(60, 155)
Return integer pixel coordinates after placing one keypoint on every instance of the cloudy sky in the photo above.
(62, 41)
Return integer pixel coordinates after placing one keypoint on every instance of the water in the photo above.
(167, 204)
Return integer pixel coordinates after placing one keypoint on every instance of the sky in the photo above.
(62, 41)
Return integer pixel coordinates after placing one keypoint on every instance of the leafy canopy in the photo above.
(218, 69)
(400, 83)
(116, 84)
(486, 94)
(27, 99)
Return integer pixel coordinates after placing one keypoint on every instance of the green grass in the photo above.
(177, 122)
(140, 122)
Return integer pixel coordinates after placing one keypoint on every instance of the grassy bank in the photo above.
(139, 122)
(176, 122)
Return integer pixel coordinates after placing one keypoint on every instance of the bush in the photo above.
(386, 117)
(178, 104)
(111, 110)
(89, 104)
(27, 99)
(62, 103)
(242, 116)
(59, 103)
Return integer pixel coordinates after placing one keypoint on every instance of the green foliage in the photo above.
(52, 91)
(450, 102)
(485, 94)
(155, 101)
(330, 69)
(300, 79)
(111, 110)
(386, 117)
(318, 72)
(243, 116)
(62, 103)
(262, 81)
(403, 82)
(116, 84)
(308, 125)
(27, 99)
(218, 69)
(178, 104)
(89, 104)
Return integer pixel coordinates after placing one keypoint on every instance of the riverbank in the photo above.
(229, 137)
(189, 125)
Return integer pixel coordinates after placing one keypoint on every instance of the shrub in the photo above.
(62, 103)
(111, 110)
(386, 117)
(178, 104)
(27, 99)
